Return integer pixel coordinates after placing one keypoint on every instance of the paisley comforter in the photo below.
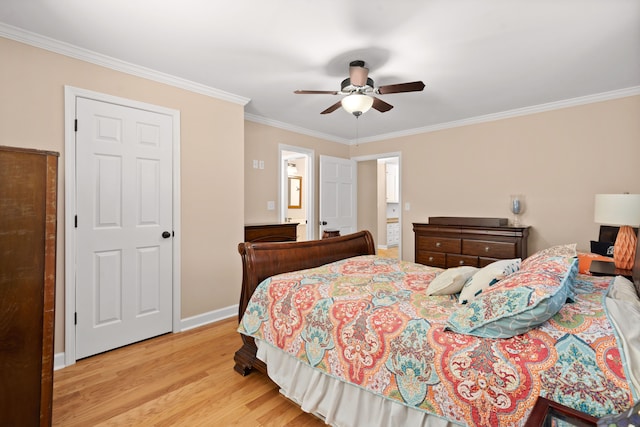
(367, 321)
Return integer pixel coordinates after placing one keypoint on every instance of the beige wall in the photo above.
(558, 159)
(32, 84)
(261, 185)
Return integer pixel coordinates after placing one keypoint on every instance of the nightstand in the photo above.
(605, 268)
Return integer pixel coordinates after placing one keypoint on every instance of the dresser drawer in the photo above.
(489, 249)
(460, 260)
(435, 259)
(439, 244)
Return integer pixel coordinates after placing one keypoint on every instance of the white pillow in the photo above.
(486, 277)
(451, 280)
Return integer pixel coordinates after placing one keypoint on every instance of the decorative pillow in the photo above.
(486, 277)
(585, 258)
(517, 304)
(552, 264)
(568, 250)
(602, 248)
(451, 280)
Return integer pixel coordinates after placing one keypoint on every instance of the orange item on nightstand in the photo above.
(585, 258)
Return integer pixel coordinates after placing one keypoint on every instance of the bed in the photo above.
(354, 339)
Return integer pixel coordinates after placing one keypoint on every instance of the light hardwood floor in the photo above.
(183, 379)
(391, 252)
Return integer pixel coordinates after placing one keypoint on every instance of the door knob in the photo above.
(323, 222)
(166, 234)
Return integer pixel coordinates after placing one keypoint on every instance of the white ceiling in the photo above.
(478, 58)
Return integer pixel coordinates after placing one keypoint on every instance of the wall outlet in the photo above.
(407, 206)
(271, 205)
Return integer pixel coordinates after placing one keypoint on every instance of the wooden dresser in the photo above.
(273, 232)
(448, 246)
(28, 183)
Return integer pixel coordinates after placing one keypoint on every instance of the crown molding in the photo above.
(550, 106)
(573, 102)
(292, 128)
(66, 49)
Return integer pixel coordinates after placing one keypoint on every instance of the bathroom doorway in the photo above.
(297, 195)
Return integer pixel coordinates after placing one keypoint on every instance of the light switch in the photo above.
(255, 164)
(261, 164)
(407, 206)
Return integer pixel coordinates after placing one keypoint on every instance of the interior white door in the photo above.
(338, 195)
(124, 225)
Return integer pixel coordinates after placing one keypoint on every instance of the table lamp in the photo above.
(622, 210)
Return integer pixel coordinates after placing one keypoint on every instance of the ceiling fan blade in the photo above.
(401, 87)
(333, 108)
(316, 92)
(358, 73)
(380, 105)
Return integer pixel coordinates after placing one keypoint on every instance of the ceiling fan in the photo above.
(358, 88)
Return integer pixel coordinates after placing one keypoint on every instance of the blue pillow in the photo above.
(519, 303)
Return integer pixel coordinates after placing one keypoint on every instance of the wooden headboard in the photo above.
(263, 260)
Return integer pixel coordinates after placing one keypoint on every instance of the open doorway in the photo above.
(379, 201)
(296, 195)
(389, 207)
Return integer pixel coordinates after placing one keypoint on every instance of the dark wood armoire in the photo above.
(28, 184)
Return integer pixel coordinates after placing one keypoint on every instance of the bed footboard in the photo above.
(263, 260)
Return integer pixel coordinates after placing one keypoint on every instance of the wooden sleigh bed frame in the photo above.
(263, 260)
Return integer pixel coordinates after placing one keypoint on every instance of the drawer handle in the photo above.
(461, 262)
(438, 244)
(486, 249)
(430, 258)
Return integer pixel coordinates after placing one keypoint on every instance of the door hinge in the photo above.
(76, 221)
(75, 318)
(75, 125)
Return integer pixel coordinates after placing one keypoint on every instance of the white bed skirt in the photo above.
(340, 404)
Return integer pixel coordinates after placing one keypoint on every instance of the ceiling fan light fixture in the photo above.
(357, 103)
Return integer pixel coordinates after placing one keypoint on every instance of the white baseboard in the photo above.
(58, 361)
(210, 317)
(185, 325)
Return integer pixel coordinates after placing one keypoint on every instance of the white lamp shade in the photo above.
(617, 209)
(357, 103)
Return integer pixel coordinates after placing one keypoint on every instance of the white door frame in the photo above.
(397, 154)
(308, 186)
(70, 95)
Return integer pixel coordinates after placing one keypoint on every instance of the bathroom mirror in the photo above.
(295, 192)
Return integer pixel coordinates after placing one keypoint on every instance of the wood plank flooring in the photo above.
(391, 252)
(183, 379)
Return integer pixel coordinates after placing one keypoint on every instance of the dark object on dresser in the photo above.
(273, 232)
(447, 246)
(467, 220)
(28, 184)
